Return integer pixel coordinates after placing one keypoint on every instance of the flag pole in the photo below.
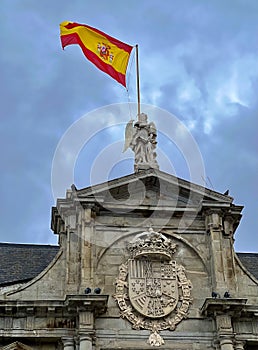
(138, 82)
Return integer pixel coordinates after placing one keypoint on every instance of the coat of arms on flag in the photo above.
(150, 285)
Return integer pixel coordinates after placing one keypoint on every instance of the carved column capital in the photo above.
(213, 219)
(86, 320)
(87, 214)
(224, 325)
(225, 331)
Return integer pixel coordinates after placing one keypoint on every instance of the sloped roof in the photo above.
(250, 261)
(22, 262)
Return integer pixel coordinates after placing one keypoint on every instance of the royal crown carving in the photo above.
(152, 244)
(152, 290)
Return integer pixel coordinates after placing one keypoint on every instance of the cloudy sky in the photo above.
(198, 62)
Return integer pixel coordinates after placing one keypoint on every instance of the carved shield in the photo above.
(153, 287)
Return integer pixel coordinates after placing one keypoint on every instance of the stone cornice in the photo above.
(232, 306)
(250, 310)
(70, 306)
(161, 176)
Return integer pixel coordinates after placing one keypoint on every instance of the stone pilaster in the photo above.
(222, 310)
(220, 227)
(86, 324)
(213, 221)
(228, 256)
(225, 332)
(86, 279)
(72, 252)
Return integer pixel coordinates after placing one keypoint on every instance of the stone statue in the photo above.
(141, 138)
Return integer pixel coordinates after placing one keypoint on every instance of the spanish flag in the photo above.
(107, 53)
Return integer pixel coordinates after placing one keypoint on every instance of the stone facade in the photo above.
(146, 260)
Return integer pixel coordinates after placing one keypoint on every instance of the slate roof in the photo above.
(22, 262)
(250, 261)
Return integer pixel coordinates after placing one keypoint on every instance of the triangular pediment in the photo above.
(146, 189)
(145, 192)
(17, 346)
(151, 187)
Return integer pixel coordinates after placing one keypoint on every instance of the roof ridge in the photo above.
(248, 253)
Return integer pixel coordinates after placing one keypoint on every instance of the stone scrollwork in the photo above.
(152, 290)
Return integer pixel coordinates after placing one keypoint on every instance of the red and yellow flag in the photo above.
(107, 53)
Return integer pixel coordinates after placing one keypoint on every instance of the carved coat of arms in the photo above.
(152, 290)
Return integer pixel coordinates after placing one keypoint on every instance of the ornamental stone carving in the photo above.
(16, 346)
(141, 138)
(152, 290)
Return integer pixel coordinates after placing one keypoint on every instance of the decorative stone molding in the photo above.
(226, 343)
(220, 306)
(68, 343)
(213, 219)
(152, 290)
(239, 345)
(220, 216)
(85, 341)
(56, 314)
(17, 346)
